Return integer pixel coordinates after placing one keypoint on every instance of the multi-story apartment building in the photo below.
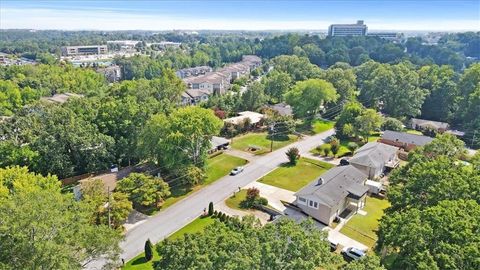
(202, 82)
(194, 71)
(343, 30)
(84, 50)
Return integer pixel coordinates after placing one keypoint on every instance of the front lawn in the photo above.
(295, 177)
(320, 125)
(216, 168)
(262, 141)
(363, 228)
(234, 201)
(139, 263)
(343, 151)
(315, 127)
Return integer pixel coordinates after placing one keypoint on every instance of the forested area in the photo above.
(139, 120)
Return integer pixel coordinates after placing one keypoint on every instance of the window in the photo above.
(313, 204)
(302, 200)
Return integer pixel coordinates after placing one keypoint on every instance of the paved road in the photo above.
(183, 212)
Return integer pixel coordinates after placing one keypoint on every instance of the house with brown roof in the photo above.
(404, 140)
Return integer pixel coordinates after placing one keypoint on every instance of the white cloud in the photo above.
(117, 20)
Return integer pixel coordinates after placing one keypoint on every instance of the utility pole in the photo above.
(271, 137)
(108, 208)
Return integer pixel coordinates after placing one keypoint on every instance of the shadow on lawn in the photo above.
(140, 260)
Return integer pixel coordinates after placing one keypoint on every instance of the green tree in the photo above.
(445, 144)
(441, 102)
(120, 208)
(345, 121)
(277, 84)
(210, 208)
(42, 228)
(299, 68)
(370, 262)
(352, 146)
(344, 81)
(391, 123)
(181, 138)
(293, 155)
(148, 250)
(334, 146)
(307, 96)
(314, 54)
(144, 189)
(283, 244)
(254, 97)
(192, 175)
(443, 236)
(367, 122)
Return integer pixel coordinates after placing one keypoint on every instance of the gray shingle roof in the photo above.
(373, 154)
(429, 123)
(403, 137)
(337, 184)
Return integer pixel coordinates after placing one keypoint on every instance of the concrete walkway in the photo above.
(273, 194)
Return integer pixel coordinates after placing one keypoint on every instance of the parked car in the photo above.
(344, 162)
(333, 246)
(236, 170)
(353, 253)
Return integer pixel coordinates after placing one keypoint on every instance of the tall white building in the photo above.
(343, 30)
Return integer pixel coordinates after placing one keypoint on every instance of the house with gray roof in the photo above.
(423, 124)
(336, 190)
(404, 140)
(374, 158)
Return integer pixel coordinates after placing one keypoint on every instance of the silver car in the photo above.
(353, 253)
(236, 170)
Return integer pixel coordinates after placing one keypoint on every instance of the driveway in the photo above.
(168, 221)
(273, 194)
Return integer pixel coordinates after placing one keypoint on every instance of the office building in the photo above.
(84, 50)
(343, 30)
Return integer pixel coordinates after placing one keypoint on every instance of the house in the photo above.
(254, 118)
(404, 140)
(218, 143)
(282, 109)
(374, 158)
(61, 98)
(422, 124)
(336, 190)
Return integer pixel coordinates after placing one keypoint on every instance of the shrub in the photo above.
(210, 208)
(148, 250)
(392, 124)
(261, 201)
(215, 213)
(293, 155)
(352, 146)
(252, 193)
(326, 150)
(335, 146)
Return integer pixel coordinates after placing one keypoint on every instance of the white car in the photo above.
(353, 253)
(236, 170)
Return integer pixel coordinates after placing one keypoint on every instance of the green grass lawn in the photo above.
(344, 146)
(234, 202)
(217, 167)
(363, 228)
(320, 125)
(139, 263)
(261, 140)
(413, 131)
(295, 177)
(315, 127)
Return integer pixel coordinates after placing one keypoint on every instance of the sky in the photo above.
(451, 15)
